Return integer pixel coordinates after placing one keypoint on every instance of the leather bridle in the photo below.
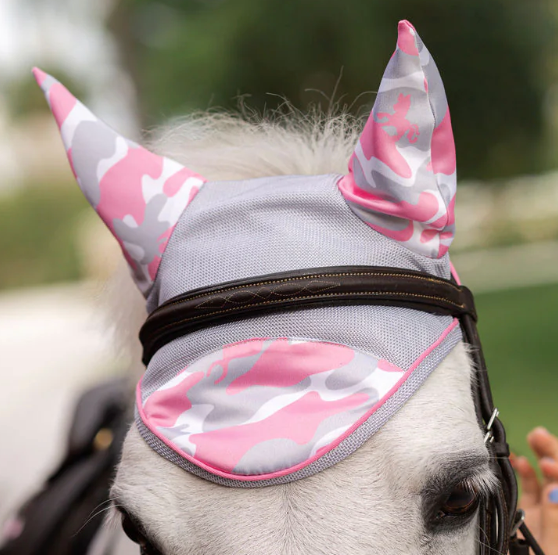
(357, 285)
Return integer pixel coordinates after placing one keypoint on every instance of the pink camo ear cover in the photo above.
(402, 178)
(140, 196)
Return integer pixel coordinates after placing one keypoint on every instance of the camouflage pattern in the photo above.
(138, 195)
(402, 175)
(266, 405)
(284, 395)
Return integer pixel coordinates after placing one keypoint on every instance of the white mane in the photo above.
(370, 503)
(229, 146)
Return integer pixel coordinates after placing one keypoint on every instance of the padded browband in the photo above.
(299, 289)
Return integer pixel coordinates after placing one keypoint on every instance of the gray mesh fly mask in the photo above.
(279, 397)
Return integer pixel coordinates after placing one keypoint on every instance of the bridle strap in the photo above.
(501, 515)
(360, 285)
(497, 518)
(320, 287)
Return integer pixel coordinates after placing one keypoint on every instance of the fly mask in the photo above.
(291, 317)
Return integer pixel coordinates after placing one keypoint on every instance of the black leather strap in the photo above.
(502, 509)
(528, 541)
(318, 287)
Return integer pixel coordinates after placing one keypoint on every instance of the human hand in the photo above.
(539, 499)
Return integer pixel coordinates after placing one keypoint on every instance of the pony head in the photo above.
(384, 391)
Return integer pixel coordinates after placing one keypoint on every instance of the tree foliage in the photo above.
(493, 55)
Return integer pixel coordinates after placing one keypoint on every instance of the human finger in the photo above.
(543, 443)
(549, 519)
(530, 486)
(549, 468)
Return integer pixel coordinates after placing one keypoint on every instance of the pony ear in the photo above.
(402, 178)
(139, 195)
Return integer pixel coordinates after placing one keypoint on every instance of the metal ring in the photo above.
(495, 414)
(519, 520)
(489, 435)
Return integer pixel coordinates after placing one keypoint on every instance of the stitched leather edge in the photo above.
(373, 285)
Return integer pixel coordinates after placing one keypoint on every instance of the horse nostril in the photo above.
(133, 529)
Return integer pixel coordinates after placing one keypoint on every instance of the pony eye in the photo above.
(462, 501)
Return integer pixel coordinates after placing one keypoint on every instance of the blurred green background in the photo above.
(139, 63)
(517, 331)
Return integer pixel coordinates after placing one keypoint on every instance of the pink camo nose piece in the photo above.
(265, 408)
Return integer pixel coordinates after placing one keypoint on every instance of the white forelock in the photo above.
(228, 146)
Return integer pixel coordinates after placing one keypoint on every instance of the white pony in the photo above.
(414, 485)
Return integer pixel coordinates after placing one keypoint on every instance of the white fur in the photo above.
(369, 504)
(224, 146)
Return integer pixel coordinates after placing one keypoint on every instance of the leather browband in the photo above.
(319, 287)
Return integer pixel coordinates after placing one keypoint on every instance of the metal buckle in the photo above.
(489, 437)
(519, 520)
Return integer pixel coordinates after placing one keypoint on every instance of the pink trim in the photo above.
(12, 528)
(39, 75)
(321, 452)
(454, 274)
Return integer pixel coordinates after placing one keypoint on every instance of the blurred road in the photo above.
(52, 346)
